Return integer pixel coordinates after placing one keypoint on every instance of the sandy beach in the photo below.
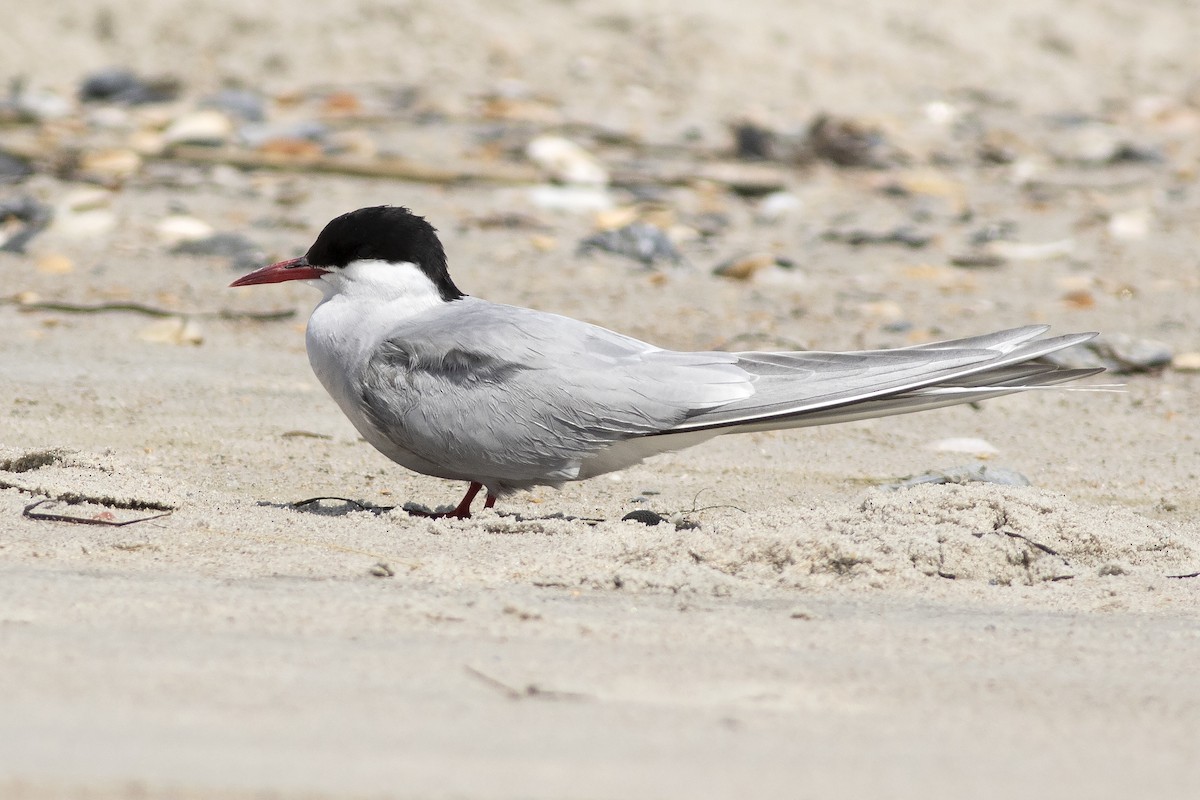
(811, 618)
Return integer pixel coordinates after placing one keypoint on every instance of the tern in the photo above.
(509, 398)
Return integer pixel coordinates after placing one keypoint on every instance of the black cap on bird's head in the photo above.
(377, 233)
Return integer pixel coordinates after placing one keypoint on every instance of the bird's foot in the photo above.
(461, 511)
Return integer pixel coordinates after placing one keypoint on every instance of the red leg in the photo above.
(491, 501)
(464, 507)
(463, 510)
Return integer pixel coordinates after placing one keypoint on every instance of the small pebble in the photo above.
(37, 105)
(1186, 362)
(1044, 251)
(257, 135)
(1000, 230)
(776, 206)
(174, 330)
(904, 235)
(243, 104)
(566, 161)
(54, 264)
(639, 241)
(109, 166)
(1119, 353)
(1093, 143)
(205, 127)
(849, 143)
(1130, 226)
(13, 169)
(1099, 144)
(120, 85)
(178, 228)
(744, 268)
(753, 142)
(30, 218)
(977, 260)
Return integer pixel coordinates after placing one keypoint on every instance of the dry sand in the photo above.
(815, 635)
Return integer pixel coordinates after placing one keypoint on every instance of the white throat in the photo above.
(402, 287)
(363, 303)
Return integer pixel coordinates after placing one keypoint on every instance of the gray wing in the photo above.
(514, 397)
(815, 388)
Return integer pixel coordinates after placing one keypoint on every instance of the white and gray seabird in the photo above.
(510, 398)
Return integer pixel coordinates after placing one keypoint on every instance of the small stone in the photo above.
(941, 113)
(174, 330)
(849, 143)
(1133, 355)
(54, 264)
(754, 142)
(1044, 251)
(639, 241)
(109, 166)
(147, 142)
(776, 206)
(243, 104)
(120, 85)
(614, 218)
(21, 219)
(905, 235)
(178, 228)
(566, 161)
(888, 310)
(257, 135)
(14, 169)
(744, 268)
(341, 104)
(1094, 143)
(977, 260)
(1100, 144)
(1119, 353)
(1131, 225)
(1186, 362)
(42, 106)
(292, 149)
(205, 127)
(543, 243)
(1079, 298)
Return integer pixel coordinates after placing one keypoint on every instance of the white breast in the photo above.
(363, 304)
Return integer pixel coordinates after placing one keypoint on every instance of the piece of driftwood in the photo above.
(399, 168)
(737, 176)
(141, 308)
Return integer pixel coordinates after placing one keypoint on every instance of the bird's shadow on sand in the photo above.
(341, 506)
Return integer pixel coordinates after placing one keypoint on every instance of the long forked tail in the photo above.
(794, 390)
